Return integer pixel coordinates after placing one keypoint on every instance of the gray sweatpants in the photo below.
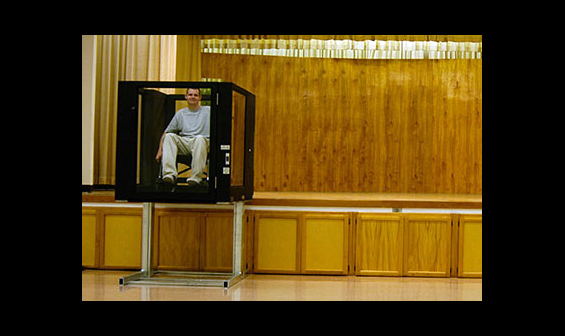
(196, 146)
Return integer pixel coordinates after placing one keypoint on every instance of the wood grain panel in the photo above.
(218, 242)
(427, 245)
(339, 125)
(470, 246)
(379, 244)
(179, 241)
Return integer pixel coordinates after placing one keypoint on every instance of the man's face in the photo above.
(193, 97)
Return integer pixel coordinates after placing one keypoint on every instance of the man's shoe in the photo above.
(192, 183)
(168, 180)
(168, 183)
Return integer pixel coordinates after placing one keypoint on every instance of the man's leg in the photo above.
(199, 149)
(172, 145)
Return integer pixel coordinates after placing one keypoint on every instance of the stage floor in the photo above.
(100, 285)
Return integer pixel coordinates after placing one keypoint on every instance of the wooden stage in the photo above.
(316, 199)
(366, 234)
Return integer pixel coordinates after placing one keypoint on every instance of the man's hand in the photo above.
(160, 150)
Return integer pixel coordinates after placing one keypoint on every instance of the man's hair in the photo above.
(199, 93)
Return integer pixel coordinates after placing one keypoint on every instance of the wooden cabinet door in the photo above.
(121, 239)
(90, 240)
(111, 238)
(217, 241)
(379, 244)
(470, 261)
(276, 248)
(177, 239)
(193, 240)
(427, 245)
(325, 244)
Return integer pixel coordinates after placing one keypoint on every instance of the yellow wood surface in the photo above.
(276, 243)
(470, 246)
(305, 242)
(89, 248)
(325, 244)
(122, 241)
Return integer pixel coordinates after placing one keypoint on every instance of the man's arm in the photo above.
(160, 151)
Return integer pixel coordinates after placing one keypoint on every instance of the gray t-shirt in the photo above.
(191, 123)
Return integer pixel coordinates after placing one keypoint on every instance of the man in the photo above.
(192, 124)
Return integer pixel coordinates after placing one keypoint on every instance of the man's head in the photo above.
(193, 97)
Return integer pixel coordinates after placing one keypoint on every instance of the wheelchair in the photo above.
(182, 182)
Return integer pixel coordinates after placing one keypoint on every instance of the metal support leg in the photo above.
(146, 247)
(237, 245)
(149, 276)
(237, 236)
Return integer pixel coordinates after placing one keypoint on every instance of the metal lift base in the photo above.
(150, 276)
(176, 278)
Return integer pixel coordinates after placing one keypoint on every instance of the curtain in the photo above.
(437, 38)
(189, 58)
(124, 57)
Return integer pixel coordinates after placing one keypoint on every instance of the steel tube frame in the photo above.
(150, 276)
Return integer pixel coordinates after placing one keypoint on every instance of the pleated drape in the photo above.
(124, 57)
(348, 49)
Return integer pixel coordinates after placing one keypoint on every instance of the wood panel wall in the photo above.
(342, 125)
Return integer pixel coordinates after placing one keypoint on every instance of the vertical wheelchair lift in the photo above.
(150, 276)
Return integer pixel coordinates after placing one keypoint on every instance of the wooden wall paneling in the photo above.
(474, 174)
(438, 133)
(281, 124)
(478, 130)
(357, 128)
(339, 125)
(313, 122)
(303, 170)
(444, 134)
(264, 105)
(461, 137)
(377, 161)
(416, 133)
(392, 115)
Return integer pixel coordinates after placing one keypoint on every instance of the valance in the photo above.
(349, 49)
